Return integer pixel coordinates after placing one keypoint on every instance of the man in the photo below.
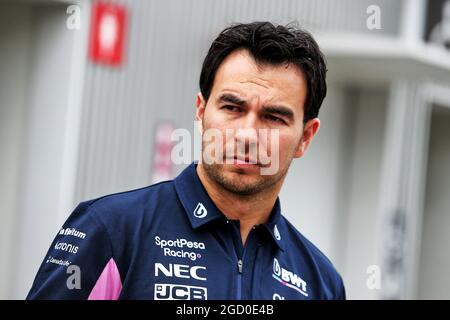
(215, 231)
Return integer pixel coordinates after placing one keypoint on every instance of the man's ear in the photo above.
(199, 114)
(309, 131)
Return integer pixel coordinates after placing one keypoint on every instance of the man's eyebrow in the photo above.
(231, 98)
(272, 109)
(280, 110)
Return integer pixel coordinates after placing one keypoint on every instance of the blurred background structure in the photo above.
(78, 121)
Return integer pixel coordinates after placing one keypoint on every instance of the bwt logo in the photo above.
(276, 267)
(288, 278)
(165, 291)
(181, 271)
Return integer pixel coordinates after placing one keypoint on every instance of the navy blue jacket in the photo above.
(169, 241)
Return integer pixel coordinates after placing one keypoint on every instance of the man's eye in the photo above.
(274, 119)
(231, 108)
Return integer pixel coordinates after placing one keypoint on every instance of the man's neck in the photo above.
(250, 210)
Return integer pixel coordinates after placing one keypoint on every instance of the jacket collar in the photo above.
(201, 210)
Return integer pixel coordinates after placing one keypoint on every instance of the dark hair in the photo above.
(273, 45)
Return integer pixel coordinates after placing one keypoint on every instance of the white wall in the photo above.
(311, 197)
(14, 50)
(363, 197)
(434, 282)
(331, 195)
(44, 137)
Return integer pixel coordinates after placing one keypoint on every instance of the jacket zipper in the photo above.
(240, 269)
(240, 266)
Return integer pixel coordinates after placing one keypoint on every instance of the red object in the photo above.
(162, 162)
(107, 34)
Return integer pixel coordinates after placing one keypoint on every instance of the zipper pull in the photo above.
(240, 265)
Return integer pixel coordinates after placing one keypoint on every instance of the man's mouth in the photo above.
(244, 162)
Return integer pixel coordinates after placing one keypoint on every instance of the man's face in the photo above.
(254, 107)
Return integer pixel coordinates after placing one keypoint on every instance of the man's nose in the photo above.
(247, 132)
(250, 121)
